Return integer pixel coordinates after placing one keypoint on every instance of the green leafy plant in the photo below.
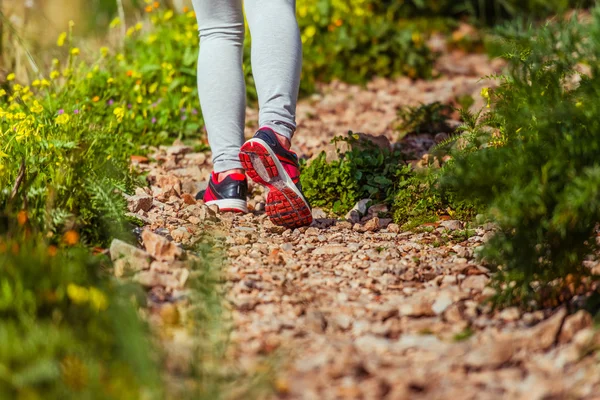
(534, 163)
(67, 331)
(425, 118)
(362, 171)
(421, 199)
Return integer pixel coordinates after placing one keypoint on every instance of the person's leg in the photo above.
(276, 62)
(221, 80)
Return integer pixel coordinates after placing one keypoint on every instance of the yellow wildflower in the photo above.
(11, 77)
(54, 74)
(45, 83)
(130, 31)
(109, 81)
(62, 119)
(139, 26)
(115, 22)
(98, 300)
(37, 107)
(60, 42)
(119, 112)
(71, 24)
(75, 51)
(168, 15)
(104, 51)
(77, 294)
(485, 93)
(2, 92)
(36, 83)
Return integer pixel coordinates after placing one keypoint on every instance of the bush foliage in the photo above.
(535, 160)
(67, 332)
(360, 171)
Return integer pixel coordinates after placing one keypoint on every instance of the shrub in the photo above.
(535, 164)
(487, 12)
(350, 41)
(66, 331)
(420, 199)
(362, 171)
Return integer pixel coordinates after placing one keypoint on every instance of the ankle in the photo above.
(225, 174)
(284, 141)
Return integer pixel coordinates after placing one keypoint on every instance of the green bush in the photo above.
(347, 40)
(361, 171)
(420, 199)
(67, 332)
(535, 163)
(487, 12)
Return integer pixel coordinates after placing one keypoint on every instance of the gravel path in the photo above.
(364, 311)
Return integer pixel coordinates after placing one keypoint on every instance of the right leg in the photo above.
(221, 83)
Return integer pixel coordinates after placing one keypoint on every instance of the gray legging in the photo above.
(276, 65)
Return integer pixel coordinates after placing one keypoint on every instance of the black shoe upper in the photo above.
(228, 188)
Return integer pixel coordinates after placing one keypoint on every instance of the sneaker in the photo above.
(229, 194)
(268, 163)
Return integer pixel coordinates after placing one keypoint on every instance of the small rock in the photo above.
(272, 228)
(378, 209)
(372, 225)
(276, 258)
(342, 321)
(475, 282)
(169, 184)
(384, 222)
(178, 150)
(490, 355)
(312, 232)
(318, 213)
(315, 321)
(543, 335)
(206, 214)
(331, 249)
(361, 206)
(188, 199)
(182, 275)
(128, 258)
(417, 306)
(393, 228)
(181, 234)
(159, 247)
(139, 202)
(573, 324)
(452, 225)
(353, 216)
(510, 314)
(487, 236)
(149, 279)
(441, 303)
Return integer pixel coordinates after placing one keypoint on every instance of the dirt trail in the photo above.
(364, 310)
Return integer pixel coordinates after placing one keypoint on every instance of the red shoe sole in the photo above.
(284, 206)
